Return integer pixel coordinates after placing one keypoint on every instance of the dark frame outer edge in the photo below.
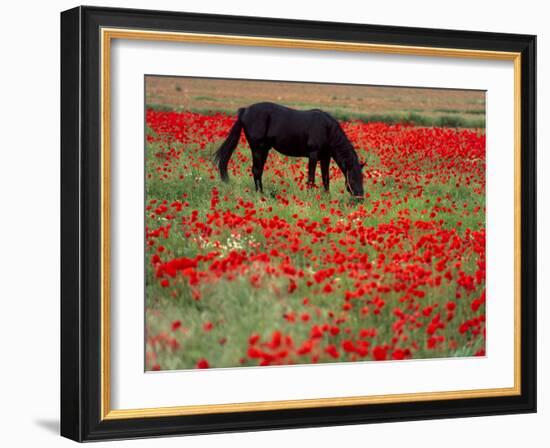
(71, 381)
(529, 223)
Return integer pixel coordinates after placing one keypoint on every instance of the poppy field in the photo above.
(297, 275)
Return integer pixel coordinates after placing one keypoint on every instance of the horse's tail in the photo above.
(224, 152)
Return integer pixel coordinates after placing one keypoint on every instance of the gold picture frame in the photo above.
(108, 30)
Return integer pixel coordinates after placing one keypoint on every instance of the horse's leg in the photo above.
(325, 173)
(259, 156)
(312, 166)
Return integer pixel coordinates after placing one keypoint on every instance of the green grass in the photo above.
(459, 111)
(414, 117)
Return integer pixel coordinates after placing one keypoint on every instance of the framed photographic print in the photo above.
(272, 223)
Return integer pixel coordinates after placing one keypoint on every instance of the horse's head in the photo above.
(354, 180)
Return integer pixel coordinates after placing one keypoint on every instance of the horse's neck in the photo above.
(343, 155)
(342, 149)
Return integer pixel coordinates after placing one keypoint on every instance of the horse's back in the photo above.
(261, 111)
(290, 131)
(278, 113)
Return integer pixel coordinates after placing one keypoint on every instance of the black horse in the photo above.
(311, 133)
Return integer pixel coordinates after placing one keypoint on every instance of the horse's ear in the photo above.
(363, 165)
